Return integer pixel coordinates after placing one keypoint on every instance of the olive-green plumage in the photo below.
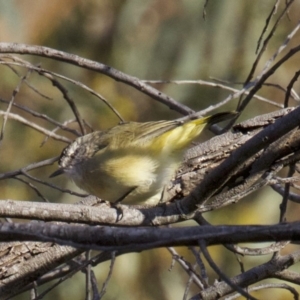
(131, 162)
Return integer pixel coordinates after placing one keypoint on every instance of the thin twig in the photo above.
(19, 75)
(187, 267)
(268, 286)
(32, 187)
(69, 100)
(105, 284)
(264, 76)
(42, 71)
(14, 94)
(97, 67)
(53, 185)
(220, 273)
(88, 278)
(36, 127)
(265, 43)
(292, 196)
(29, 167)
(43, 116)
(201, 265)
(268, 19)
(285, 198)
(290, 87)
(213, 84)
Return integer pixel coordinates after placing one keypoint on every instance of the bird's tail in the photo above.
(181, 136)
(216, 118)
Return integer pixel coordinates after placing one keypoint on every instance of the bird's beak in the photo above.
(57, 172)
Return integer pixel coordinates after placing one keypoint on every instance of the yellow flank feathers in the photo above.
(131, 162)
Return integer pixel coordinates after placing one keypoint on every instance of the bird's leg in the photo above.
(117, 207)
(161, 200)
(125, 195)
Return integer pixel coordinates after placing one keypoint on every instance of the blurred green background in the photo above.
(151, 40)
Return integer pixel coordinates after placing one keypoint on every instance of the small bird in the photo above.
(131, 162)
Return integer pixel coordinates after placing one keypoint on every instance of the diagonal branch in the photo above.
(98, 67)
